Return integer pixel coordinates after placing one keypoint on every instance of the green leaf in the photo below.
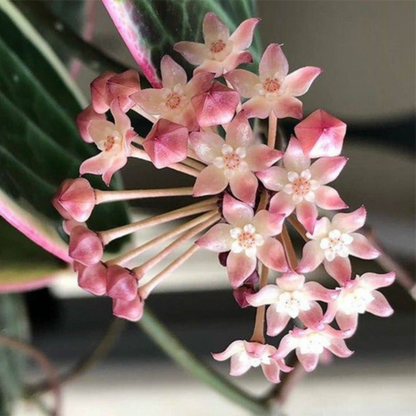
(13, 324)
(39, 144)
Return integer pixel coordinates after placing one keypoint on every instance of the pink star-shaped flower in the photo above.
(358, 296)
(245, 355)
(233, 161)
(248, 237)
(114, 140)
(173, 101)
(301, 186)
(273, 89)
(310, 343)
(290, 298)
(220, 52)
(332, 242)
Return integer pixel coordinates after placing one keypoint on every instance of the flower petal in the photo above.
(288, 106)
(298, 82)
(268, 224)
(150, 99)
(217, 238)
(243, 81)
(214, 29)
(328, 198)
(234, 348)
(312, 316)
(294, 159)
(379, 305)
(290, 281)
(210, 181)
(273, 63)
(347, 322)
(194, 53)
(276, 321)
(236, 212)
(308, 361)
(261, 157)
(243, 35)
(239, 267)
(361, 248)
(375, 280)
(312, 257)
(238, 367)
(287, 344)
(244, 186)
(172, 73)
(200, 82)
(258, 106)
(282, 203)
(327, 169)
(83, 121)
(265, 296)
(307, 214)
(350, 222)
(339, 348)
(207, 146)
(271, 372)
(272, 255)
(339, 269)
(316, 291)
(274, 178)
(239, 133)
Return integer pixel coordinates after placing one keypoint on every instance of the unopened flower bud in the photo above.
(85, 246)
(121, 283)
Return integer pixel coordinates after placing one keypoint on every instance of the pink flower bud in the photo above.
(167, 143)
(93, 279)
(131, 310)
(83, 122)
(321, 134)
(85, 246)
(121, 283)
(75, 199)
(215, 106)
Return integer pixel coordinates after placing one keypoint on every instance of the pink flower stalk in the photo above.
(132, 310)
(245, 355)
(215, 106)
(301, 186)
(114, 141)
(290, 298)
(121, 283)
(321, 135)
(332, 242)
(83, 122)
(110, 86)
(273, 90)
(93, 278)
(75, 199)
(85, 246)
(166, 143)
(310, 343)
(249, 237)
(359, 296)
(220, 52)
(173, 101)
(233, 161)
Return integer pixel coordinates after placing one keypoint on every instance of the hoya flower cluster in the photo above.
(249, 192)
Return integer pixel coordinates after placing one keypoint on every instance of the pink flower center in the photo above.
(231, 160)
(109, 143)
(173, 101)
(271, 85)
(301, 186)
(246, 239)
(336, 244)
(218, 46)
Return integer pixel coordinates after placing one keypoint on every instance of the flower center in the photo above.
(173, 101)
(246, 239)
(218, 46)
(254, 361)
(271, 85)
(313, 343)
(231, 160)
(356, 301)
(336, 244)
(109, 143)
(301, 186)
(291, 303)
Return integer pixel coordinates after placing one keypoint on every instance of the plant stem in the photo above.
(141, 154)
(298, 227)
(271, 138)
(258, 332)
(204, 206)
(173, 348)
(102, 197)
(123, 258)
(152, 262)
(289, 250)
